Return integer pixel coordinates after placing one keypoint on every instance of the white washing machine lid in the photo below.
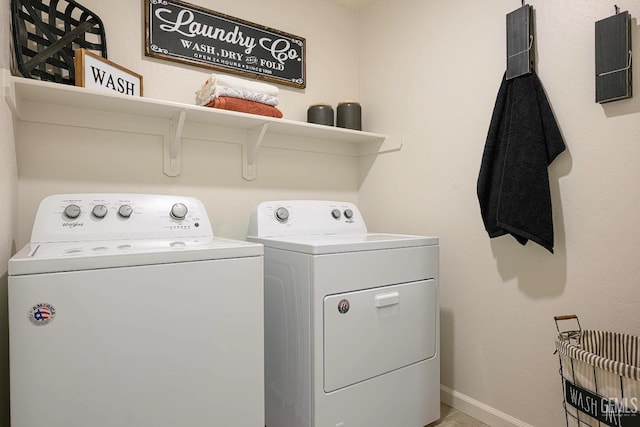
(37, 258)
(340, 243)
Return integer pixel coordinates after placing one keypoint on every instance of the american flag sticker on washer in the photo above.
(42, 314)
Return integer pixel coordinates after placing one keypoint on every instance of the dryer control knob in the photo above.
(99, 211)
(336, 213)
(72, 211)
(282, 214)
(348, 213)
(125, 211)
(179, 211)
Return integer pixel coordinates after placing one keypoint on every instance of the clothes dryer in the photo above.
(351, 319)
(125, 310)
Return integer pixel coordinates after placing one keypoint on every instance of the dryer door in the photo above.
(374, 331)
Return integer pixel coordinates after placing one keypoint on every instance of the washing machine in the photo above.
(351, 319)
(126, 310)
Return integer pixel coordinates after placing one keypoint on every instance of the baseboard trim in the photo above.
(478, 410)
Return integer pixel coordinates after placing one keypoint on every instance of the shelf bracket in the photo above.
(9, 92)
(250, 148)
(173, 145)
(392, 143)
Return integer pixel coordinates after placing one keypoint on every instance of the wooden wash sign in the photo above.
(96, 72)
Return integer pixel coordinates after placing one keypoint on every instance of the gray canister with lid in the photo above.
(349, 115)
(321, 114)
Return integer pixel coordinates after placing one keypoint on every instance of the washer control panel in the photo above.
(305, 217)
(112, 216)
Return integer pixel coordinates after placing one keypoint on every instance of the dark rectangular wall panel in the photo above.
(613, 58)
(519, 42)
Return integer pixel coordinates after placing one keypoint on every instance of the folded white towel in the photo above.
(222, 85)
(219, 91)
(238, 83)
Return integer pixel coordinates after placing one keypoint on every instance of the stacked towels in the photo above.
(236, 94)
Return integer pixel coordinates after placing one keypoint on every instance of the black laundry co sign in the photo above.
(181, 32)
(609, 411)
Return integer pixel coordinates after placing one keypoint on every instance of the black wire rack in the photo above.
(46, 34)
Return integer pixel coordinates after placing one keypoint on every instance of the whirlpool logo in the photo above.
(73, 224)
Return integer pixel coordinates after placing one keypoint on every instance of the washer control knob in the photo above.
(179, 211)
(348, 213)
(72, 211)
(125, 211)
(99, 211)
(336, 213)
(282, 214)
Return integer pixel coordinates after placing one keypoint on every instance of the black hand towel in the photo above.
(513, 184)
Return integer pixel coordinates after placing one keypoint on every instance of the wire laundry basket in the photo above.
(600, 374)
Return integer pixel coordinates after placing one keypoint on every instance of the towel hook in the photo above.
(617, 9)
(618, 70)
(520, 40)
(523, 51)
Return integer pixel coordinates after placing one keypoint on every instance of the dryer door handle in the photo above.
(387, 299)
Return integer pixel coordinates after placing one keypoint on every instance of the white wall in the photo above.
(440, 64)
(8, 210)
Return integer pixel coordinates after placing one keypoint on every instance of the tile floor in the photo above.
(450, 417)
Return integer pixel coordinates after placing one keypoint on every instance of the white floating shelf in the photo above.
(53, 103)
